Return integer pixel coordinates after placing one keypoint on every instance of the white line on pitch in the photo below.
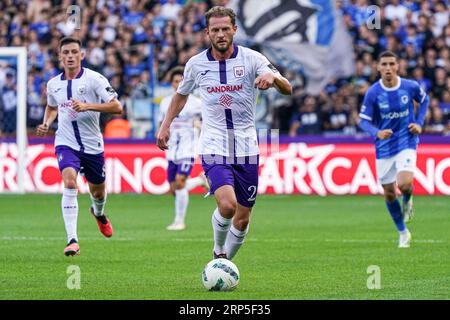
(18, 238)
(315, 240)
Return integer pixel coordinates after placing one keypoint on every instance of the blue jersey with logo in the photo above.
(393, 108)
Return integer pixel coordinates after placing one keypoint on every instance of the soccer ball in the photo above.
(220, 275)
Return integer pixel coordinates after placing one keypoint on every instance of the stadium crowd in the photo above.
(116, 35)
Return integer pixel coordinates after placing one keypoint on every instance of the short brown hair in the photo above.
(219, 12)
(67, 40)
(178, 70)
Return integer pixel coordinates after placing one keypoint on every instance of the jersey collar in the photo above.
(233, 55)
(77, 77)
(399, 82)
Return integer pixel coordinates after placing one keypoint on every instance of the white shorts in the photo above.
(387, 169)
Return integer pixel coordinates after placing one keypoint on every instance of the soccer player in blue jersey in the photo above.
(389, 115)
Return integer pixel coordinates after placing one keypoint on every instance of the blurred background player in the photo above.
(388, 114)
(74, 96)
(228, 77)
(182, 150)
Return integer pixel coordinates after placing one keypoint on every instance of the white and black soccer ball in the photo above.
(220, 275)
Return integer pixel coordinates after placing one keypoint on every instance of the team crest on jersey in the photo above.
(82, 90)
(404, 99)
(239, 71)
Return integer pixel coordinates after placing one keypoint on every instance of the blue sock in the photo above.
(396, 213)
(406, 197)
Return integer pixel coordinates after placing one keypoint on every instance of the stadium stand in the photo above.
(116, 35)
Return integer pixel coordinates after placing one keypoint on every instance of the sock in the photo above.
(407, 197)
(221, 226)
(396, 213)
(69, 205)
(98, 205)
(234, 241)
(192, 183)
(181, 204)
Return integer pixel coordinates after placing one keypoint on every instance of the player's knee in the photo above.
(227, 208)
(405, 188)
(98, 194)
(241, 223)
(70, 183)
(390, 195)
(180, 184)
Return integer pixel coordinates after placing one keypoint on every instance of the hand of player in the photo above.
(162, 138)
(384, 134)
(42, 130)
(79, 106)
(264, 81)
(414, 128)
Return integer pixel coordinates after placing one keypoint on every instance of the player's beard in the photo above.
(223, 48)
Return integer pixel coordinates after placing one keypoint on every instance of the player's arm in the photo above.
(49, 117)
(368, 127)
(176, 105)
(269, 79)
(365, 119)
(114, 106)
(422, 99)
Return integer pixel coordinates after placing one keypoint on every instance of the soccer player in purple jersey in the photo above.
(77, 96)
(227, 77)
(388, 114)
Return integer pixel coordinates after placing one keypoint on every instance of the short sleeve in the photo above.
(51, 101)
(263, 65)
(418, 93)
(367, 107)
(187, 85)
(103, 89)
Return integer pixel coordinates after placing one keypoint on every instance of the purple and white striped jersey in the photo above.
(79, 130)
(229, 99)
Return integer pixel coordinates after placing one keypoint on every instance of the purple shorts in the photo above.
(183, 167)
(92, 166)
(240, 173)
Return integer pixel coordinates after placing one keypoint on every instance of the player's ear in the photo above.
(83, 54)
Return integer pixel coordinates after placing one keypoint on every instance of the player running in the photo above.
(228, 77)
(389, 116)
(182, 150)
(75, 97)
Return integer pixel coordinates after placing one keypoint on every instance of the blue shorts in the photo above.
(92, 166)
(240, 173)
(183, 167)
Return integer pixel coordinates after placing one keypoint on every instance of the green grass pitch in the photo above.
(298, 247)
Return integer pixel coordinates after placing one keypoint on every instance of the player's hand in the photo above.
(264, 81)
(42, 130)
(162, 138)
(384, 134)
(414, 128)
(79, 106)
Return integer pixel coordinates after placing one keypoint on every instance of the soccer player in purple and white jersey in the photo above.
(227, 77)
(388, 114)
(77, 96)
(182, 150)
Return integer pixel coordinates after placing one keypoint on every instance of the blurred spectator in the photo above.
(337, 119)
(9, 105)
(435, 121)
(307, 119)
